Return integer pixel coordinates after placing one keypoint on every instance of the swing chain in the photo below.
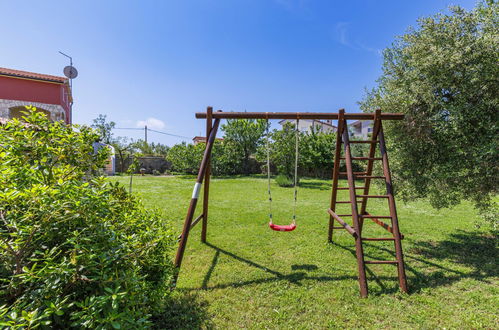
(268, 171)
(297, 133)
(295, 183)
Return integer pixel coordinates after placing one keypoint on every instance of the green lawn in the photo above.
(249, 276)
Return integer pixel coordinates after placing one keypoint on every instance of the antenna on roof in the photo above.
(70, 72)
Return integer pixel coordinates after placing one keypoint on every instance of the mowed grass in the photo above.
(248, 276)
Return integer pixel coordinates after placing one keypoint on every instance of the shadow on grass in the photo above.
(473, 250)
(304, 267)
(428, 265)
(429, 261)
(185, 311)
(315, 185)
(295, 277)
(372, 275)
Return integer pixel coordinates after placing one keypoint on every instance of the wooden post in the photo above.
(393, 213)
(206, 192)
(336, 172)
(195, 195)
(355, 215)
(370, 163)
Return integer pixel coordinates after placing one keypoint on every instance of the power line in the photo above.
(180, 136)
(152, 130)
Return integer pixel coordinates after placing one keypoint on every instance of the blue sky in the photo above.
(162, 61)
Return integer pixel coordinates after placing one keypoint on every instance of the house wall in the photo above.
(33, 91)
(361, 129)
(305, 125)
(366, 128)
(110, 166)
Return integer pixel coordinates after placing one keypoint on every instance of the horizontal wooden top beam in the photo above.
(299, 115)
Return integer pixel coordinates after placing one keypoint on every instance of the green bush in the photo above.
(225, 158)
(284, 181)
(77, 251)
(185, 158)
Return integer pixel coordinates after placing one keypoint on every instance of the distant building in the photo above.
(307, 125)
(110, 167)
(49, 94)
(360, 129)
(202, 139)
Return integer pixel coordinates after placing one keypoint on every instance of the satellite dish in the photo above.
(70, 72)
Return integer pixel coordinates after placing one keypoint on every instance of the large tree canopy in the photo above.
(246, 134)
(443, 75)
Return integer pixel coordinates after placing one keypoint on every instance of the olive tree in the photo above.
(444, 76)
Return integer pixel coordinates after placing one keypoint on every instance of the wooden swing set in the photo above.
(343, 143)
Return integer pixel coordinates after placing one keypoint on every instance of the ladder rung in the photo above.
(384, 225)
(363, 141)
(354, 173)
(378, 238)
(370, 177)
(343, 223)
(364, 158)
(346, 202)
(373, 196)
(376, 216)
(380, 262)
(344, 215)
(347, 188)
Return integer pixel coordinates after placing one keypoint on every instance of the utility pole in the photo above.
(145, 133)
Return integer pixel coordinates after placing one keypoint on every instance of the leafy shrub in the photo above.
(225, 158)
(245, 135)
(317, 154)
(284, 181)
(185, 158)
(77, 251)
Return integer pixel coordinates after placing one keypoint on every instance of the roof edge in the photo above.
(31, 75)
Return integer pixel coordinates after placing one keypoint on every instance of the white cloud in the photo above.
(341, 34)
(151, 123)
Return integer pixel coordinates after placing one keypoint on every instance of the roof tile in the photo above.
(32, 75)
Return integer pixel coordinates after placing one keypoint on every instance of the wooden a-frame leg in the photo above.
(336, 173)
(206, 192)
(393, 213)
(359, 251)
(370, 165)
(195, 196)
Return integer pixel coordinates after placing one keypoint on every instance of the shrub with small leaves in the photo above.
(77, 250)
(284, 181)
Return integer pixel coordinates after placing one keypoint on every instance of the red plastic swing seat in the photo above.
(275, 227)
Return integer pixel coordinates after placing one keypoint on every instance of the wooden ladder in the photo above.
(358, 216)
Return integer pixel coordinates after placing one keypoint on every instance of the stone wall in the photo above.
(56, 111)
